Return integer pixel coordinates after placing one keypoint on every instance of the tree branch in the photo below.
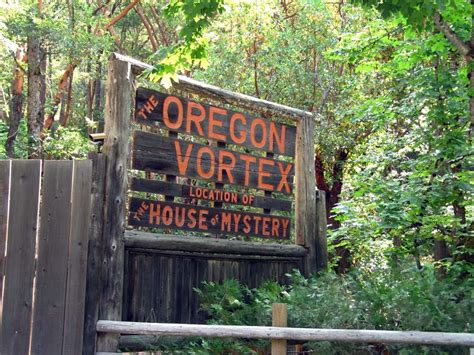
(121, 14)
(444, 28)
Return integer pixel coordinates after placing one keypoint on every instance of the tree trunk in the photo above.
(36, 95)
(148, 26)
(16, 104)
(332, 199)
(59, 93)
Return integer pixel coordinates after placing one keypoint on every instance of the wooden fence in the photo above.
(286, 333)
(44, 218)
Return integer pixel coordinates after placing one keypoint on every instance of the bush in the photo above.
(402, 298)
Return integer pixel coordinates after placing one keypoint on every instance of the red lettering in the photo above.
(280, 141)
(247, 159)
(285, 223)
(284, 177)
(197, 119)
(237, 117)
(192, 218)
(166, 118)
(214, 122)
(182, 163)
(203, 219)
(205, 174)
(154, 213)
(226, 166)
(253, 135)
(262, 173)
(246, 220)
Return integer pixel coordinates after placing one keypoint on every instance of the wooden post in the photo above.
(118, 107)
(321, 231)
(94, 252)
(279, 319)
(305, 203)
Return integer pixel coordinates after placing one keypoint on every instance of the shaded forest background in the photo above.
(390, 83)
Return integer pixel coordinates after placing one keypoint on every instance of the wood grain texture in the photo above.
(5, 168)
(187, 191)
(321, 240)
(255, 332)
(53, 243)
(279, 319)
(94, 252)
(19, 265)
(117, 125)
(162, 214)
(189, 159)
(136, 239)
(305, 196)
(225, 126)
(77, 258)
(155, 296)
(222, 95)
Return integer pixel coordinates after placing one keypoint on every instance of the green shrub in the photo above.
(402, 298)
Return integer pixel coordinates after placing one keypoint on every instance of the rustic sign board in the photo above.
(161, 214)
(211, 122)
(173, 156)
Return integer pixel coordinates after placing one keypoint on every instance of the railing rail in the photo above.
(308, 334)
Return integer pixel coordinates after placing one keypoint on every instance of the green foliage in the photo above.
(191, 49)
(67, 143)
(402, 298)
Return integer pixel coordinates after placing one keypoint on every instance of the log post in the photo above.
(305, 200)
(279, 319)
(118, 106)
(321, 231)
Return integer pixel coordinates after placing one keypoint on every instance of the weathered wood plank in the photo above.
(279, 319)
(182, 115)
(222, 95)
(321, 231)
(218, 256)
(77, 260)
(162, 214)
(135, 239)
(305, 199)
(94, 252)
(183, 158)
(53, 243)
(5, 168)
(118, 108)
(20, 255)
(255, 332)
(204, 193)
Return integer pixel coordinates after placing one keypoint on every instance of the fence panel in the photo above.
(45, 304)
(5, 166)
(77, 262)
(52, 258)
(20, 256)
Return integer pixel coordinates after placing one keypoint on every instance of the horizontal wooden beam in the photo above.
(223, 95)
(143, 240)
(252, 332)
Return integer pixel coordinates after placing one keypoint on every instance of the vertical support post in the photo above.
(118, 105)
(321, 231)
(305, 204)
(94, 261)
(279, 319)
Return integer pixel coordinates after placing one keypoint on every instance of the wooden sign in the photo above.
(161, 214)
(223, 165)
(184, 158)
(216, 123)
(209, 194)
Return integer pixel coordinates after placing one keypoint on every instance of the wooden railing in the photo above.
(302, 334)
